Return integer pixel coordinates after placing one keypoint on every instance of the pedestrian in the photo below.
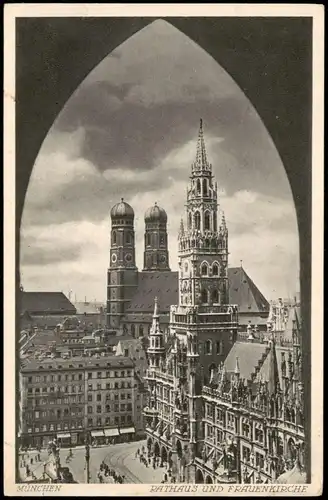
(31, 461)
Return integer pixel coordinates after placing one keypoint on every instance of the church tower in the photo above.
(204, 323)
(203, 244)
(122, 278)
(156, 254)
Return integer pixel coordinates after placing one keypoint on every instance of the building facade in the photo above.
(67, 398)
(248, 418)
(254, 428)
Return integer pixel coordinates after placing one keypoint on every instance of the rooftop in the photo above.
(165, 286)
(46, 302)
(76, 363)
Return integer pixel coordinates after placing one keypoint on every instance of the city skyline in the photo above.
(146, 158)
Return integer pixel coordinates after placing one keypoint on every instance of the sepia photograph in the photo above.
(163, 268)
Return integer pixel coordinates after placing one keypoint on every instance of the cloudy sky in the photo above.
(130, 130)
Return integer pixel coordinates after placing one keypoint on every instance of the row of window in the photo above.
(55, 378)
(110, 374)
(78, 376)
(115, 385)
(55, 401)
(208, 348)
(208, 296)
(78, 424)
(195, 221)
(118, 420)
(117, 408)
(128, 237)
(100, 397)
(69, 389)
(205, 269)
(229, 421)
(54, 414)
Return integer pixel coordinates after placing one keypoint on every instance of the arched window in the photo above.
(215, 270)
(215, 296)
(204, 296)
(128, 238)
(204, 187)
(133, 330)
(198, 186)
(114, 237)
(208, 347)
(204, 270)
(197, 220)
(214, 221)
(189, 221)
(141, 330)
(148, 242)
(207, 222)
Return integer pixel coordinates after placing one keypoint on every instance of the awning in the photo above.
(64, 435)
(97, 433)
(127, 430)
(111, 432)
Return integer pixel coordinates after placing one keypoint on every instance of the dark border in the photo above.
(270, 58)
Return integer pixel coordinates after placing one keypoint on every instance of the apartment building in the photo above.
(67, 398)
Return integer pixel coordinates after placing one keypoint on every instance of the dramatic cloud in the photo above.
(130, 131)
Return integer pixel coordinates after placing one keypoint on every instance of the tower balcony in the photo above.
(156, 374)
(150, 412)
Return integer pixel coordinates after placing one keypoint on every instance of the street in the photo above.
(120, 457)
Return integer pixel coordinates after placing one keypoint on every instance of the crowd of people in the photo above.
(105, 471)
(154, 461)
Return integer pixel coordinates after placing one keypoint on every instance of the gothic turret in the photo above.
(156, 349)
(273, 372)
(156, 254)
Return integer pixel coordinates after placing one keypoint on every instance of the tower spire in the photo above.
(201, 162)
(273, 375)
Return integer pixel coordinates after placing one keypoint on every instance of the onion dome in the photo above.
(155, 214)
(121, 209)
(293, 476)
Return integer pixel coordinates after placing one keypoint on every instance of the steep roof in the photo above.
(46, 302)
(163, 285)
(244, 292)
(266, 368)
(249, 354)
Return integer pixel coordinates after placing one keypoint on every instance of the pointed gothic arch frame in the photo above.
(197, 220)
(207, 220)
(214, 36)
(215, 265)
(204, 267)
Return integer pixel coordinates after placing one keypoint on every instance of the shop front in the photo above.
(97, 438)
(64, 439)
(127, 434)
(111, 435)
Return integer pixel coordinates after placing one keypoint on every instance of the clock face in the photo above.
(128, 257)
(114, 257)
